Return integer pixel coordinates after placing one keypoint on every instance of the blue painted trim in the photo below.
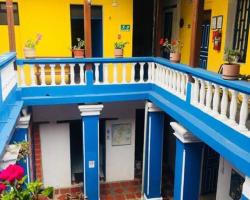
(153, 171)
(226, 141)
(244, 198)
(6, 58)
(91, 153)
(187, 170)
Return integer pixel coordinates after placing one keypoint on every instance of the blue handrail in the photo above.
(6, 58)
(241, 86)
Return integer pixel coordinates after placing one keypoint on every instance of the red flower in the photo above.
(161, 41)
(174, 42)
(12, 173)
(2, 187)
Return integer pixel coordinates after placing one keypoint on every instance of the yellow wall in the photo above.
(52, 20)
(215, 58)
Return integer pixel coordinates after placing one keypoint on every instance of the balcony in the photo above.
(214, 110)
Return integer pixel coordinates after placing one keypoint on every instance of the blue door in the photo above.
(205, 30)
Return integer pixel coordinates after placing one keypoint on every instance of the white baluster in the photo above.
(224, 103)
(216, 100)
(82, 73)
(174, 81)
(124, 73)
(115, 73)
(141, 72)
(243, 113)
(202, 94)
(52, 74)
(97, 73)
(233, 108)
(63, 74)
(42, 67)
(170, 83)
(209, 96)
(196, 91)
(178, 83)
(72, 74)
(166, 78)
(105, 75)
(22, 81)
(183, 84)
(33, 75)
(153, 73)
(133, 73)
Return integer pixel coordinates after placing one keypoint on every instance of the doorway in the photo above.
(205, 32)
(168, 21)
(77, 27)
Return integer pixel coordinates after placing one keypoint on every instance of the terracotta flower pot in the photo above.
(118, 53)
(78, 53)
(29, 52)
(230, 71)
(175, 57)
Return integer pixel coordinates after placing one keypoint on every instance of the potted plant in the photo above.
(30, 47)
(78, 50)
(231, 69)
(13, 186)
(173, 47)
(119, 46)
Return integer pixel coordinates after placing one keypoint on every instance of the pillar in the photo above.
(22, 134)
(187, 164)
(246, 190)
(153, 152)
(90, 130)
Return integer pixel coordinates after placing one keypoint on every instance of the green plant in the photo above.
(13, 186)
(33, 43)
(231, 55)
(120, 45)
(173, 46)
(80, 44)
(24, 150)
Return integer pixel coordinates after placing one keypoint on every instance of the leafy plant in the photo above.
(231, 55)
(33, 43)
(80, 44)
(14, 187)
(120, 45)
(173, 46)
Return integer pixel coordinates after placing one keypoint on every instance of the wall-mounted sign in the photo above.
(125, 27)
(219, 22)
(214, 23)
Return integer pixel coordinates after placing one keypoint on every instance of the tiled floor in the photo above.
(121, 190)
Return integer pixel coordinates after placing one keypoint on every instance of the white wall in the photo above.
(224, 180)
(55, 147)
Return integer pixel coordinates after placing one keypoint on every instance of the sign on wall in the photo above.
(125, 27)
(8, 80)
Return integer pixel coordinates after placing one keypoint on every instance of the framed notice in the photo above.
(219, 22)
(121, 134)
(214, 23)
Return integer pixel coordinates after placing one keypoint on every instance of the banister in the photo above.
(6, 58)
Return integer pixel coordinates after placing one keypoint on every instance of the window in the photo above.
(241, 28)
(3, 14)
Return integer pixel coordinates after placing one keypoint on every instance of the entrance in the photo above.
(77, 27)
(120, 148)
(205, 32)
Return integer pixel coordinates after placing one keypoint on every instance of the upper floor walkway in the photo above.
(214, 110)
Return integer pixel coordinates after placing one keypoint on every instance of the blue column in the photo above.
(153, 153)
(22, 134)
(246, 190)
(90, 130)
(187, 164)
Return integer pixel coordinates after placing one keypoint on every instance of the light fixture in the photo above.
(89, 2)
